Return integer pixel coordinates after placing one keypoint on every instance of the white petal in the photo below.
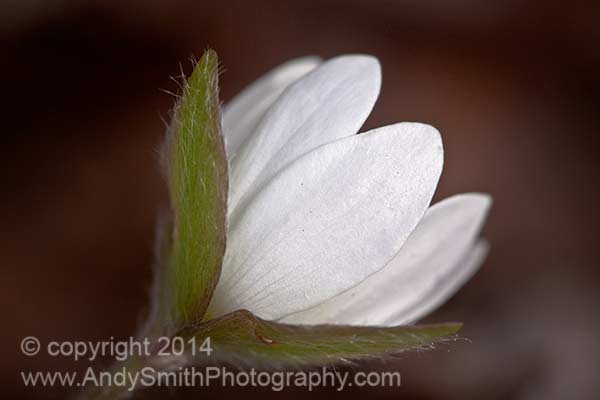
(329, 220)
(329, 103)
(445, 287)
(243, 113)
(424, 273)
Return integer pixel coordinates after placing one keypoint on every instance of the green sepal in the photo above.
(196, 167)
(242, 338)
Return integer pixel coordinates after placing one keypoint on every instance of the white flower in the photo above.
(326, 226)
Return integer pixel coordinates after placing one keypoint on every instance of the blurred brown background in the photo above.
(513, 86)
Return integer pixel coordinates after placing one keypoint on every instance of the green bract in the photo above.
(197, 174)
(242, 338)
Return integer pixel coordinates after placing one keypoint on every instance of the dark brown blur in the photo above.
(513, 86)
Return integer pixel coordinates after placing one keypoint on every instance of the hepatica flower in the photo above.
(295, 239)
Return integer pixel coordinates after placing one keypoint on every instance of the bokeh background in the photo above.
(513, 86)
